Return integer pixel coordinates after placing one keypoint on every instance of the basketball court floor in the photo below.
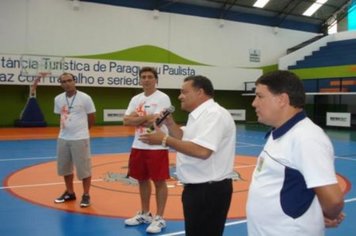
(30, 184)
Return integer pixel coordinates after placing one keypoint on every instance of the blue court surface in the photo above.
(21, 217)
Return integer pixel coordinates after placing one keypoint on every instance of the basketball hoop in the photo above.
(43, 74)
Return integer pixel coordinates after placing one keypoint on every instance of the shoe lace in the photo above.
(158, 222)
(85, 198)
(66, 195)
(143, 215)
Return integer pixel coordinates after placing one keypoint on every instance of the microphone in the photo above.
(159, 120)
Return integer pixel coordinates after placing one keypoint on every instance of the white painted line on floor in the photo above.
(27, 158)
(249, 144)
(227, 224)
(350, 200)
(47, 184)
(175, 233)
(236, 222)
(345, 158)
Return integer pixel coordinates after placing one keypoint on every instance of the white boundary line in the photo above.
(46, 184)
(243, 144)
(237, 222)
(100, 180)
(27, 158)
(350, 200)
(50, 158)
(345, 158)
(227, 224)
(175, 233)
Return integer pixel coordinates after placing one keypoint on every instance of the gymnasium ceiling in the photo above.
(278, 13)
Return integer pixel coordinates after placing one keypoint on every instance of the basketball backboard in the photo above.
(34, 65)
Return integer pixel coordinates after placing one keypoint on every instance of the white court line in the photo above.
(227, 224)
(27, 158)
(237, 222)
(175, 233)
(249, 144)
(100, 180)
(76, 182)
(345, 158)
(350, 200)
(47, 184)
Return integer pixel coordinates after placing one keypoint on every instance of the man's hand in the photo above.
(154, 138)
(332, 223)
(34, 85)
(134, 119)
(150, 120)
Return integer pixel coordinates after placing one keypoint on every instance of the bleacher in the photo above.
(335, 53)
(334, 85)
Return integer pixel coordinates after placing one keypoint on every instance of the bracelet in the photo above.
(164, 140)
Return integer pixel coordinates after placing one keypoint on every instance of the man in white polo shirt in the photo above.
(294, 190)
(205, 158)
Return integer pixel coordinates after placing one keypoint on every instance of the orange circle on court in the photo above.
(114, 195)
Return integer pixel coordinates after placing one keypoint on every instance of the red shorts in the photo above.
(149, 164)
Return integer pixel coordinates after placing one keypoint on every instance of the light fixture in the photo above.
(155, 14)
(221, 23)
(275, 30)
(260, 3)
(76, 5)
(314, 7)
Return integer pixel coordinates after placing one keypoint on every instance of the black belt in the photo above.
(206, 183)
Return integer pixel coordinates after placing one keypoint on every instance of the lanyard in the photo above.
(70, 106)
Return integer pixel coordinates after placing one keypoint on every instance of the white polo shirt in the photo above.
(74, 115)
(148, 105)
(212, 127)
(296, 158)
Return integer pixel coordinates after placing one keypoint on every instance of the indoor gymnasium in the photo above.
(90, 88)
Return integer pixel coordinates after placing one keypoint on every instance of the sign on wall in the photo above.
(255, 55)
(114, 73)
(341, 119)
(111, 115)
(238, 114)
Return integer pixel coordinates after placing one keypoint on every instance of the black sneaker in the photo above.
(65, 197)
(85, 200)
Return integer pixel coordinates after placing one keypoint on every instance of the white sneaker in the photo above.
(139, 218)
(157, 225)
